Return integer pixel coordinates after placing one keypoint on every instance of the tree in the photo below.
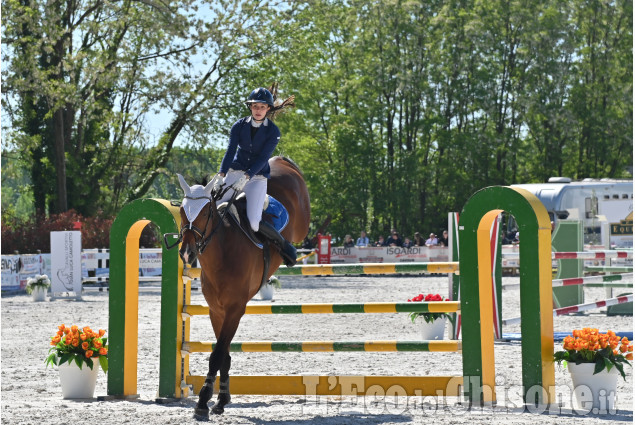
(84, 77)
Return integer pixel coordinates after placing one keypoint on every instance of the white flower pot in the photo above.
(266, 292)
(434, 330)
(39, 293)
(600, 388)
(76, 382)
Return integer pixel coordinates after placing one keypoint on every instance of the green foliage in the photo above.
(404, 109)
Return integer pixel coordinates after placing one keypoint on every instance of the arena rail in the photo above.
(324, 308)
(580, 308)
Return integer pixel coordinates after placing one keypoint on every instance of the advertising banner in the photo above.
(11, 272)
(389, 254)
(66, 262)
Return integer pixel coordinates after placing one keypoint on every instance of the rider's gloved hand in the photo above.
(240, 183)
(217, 182)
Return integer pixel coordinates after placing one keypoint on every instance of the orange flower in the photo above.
(103, 351)
(625, 341)
(629, 356)
(74, 328)
(102, 332)
(86, 329)
(67, 331)
(85, 345)
(60, 332)
(89, 354)
(83, 337)
(75, 343)
(97, 343)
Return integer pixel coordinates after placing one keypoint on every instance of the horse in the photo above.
(232, 267)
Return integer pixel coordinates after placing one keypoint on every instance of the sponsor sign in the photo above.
(66, 262)
(10, 272)
(388, 254)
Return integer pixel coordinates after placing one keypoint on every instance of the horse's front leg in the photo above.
(207, 391)
(219, 359)
(224, 397)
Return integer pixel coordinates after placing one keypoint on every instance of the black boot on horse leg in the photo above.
(207, 391)
(287, 251)
(224, 398)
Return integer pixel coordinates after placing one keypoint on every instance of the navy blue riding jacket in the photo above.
(247, 154)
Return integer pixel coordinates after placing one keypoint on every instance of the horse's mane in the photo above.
(292, 163)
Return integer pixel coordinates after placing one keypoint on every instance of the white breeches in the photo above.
(255, 190)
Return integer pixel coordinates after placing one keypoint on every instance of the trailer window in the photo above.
(591, 207)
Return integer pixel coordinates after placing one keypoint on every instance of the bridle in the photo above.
(200, 239)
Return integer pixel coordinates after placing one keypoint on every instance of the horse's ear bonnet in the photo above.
(196, 197)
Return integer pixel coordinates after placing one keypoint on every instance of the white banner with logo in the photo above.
(66, 262)
(389, 254)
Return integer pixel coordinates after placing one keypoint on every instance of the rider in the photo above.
(245, 166)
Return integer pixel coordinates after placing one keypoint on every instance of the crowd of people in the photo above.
(394, 239)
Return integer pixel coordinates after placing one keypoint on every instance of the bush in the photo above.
(29, 236)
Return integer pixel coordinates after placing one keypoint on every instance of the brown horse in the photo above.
(232, 266)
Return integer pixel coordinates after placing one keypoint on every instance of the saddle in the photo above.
(273, 213)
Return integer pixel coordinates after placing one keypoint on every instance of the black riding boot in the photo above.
(287, 250)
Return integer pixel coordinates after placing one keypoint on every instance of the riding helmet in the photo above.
(260, 95)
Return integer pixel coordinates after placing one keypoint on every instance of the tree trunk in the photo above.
(61, 204)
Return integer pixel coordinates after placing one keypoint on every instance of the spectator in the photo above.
(394, 240)
(443, 240)
(306, 243)
(509, 237)
(348, 241)
(418, 240)
(407, 243)
(362, 241)
(432, 240)
(380, 241)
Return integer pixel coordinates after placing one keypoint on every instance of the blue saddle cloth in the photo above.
(276, 214)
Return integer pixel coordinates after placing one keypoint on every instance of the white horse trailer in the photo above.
(605, 206)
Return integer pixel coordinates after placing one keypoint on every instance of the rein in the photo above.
(201, 240)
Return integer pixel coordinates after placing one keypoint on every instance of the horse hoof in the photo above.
(218, 410)
(201, 414)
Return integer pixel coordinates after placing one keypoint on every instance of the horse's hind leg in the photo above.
(223, 394)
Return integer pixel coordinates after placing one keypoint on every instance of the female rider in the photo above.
(245, 166)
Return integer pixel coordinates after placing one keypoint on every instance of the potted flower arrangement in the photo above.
(433, 324)
(594, 360)
(37, 286)
(72, 349)
(266, 290)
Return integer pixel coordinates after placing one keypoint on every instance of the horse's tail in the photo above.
(293, 164)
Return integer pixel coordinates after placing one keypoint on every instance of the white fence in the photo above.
(17, 269)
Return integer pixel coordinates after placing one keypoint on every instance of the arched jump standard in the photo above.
(479, 212)
(124, 299)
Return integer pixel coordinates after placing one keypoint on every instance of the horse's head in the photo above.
(197, 211)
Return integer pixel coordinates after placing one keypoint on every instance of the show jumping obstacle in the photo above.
(476, 307)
